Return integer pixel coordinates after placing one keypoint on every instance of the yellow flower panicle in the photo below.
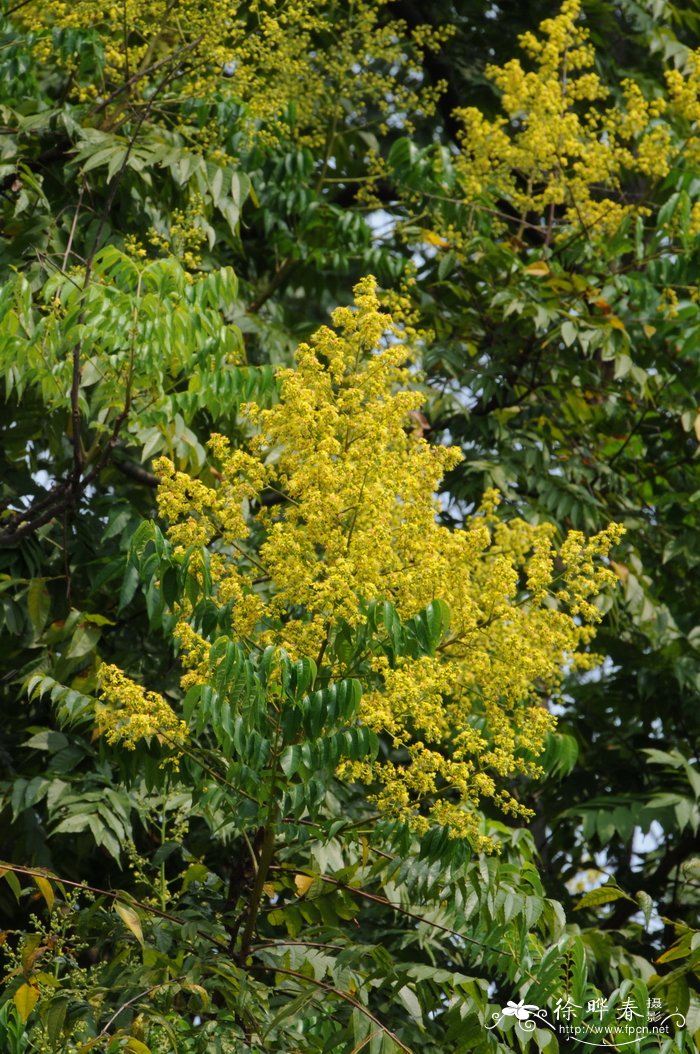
(359, 522)
(560, 144)
(266, 54)
(128, 713)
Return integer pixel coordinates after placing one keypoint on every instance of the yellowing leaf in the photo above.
(602, 895)
(32, 949)
(198, 991)
(12, 881)
(42, 977)
(621, 570)
(538, 269)
(45, 888)
(696, 427)
(136, 1046)
(680, 950)
(130, 919)
(25, 999)
(616, 322)
(269, 889)
(649, 331)
(303, 884)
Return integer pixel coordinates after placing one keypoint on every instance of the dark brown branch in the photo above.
(136, 472)
(17, 7)
(75, 419)
(276, 280)
(21, 524)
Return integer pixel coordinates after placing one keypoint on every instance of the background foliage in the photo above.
(186, 193)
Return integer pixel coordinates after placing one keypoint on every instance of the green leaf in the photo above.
(84, 641)
(38, 604)
(54, 1017)
(681, 949)
(646, 904)
(73, 824)
(130, 584)
(47, 740)
(411, 1002)
(568, 333)
(303, 675)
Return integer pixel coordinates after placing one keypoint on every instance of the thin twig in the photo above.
(136, 472)
(73, 226)
(276, 280)
(144, 73)
(130, 1002)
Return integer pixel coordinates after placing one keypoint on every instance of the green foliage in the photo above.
(159, 261)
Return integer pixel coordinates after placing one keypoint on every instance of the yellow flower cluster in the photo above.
(684, 103)
(694, 223)
(558, 147)
(128, 713)
(186, 234)
(358, 521)
(271, 55)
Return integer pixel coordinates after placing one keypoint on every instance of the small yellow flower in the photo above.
(127, 713)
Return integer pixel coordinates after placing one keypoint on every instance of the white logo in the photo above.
(521, 1010)
(626, 1023)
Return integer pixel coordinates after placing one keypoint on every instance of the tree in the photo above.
(555, 322)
